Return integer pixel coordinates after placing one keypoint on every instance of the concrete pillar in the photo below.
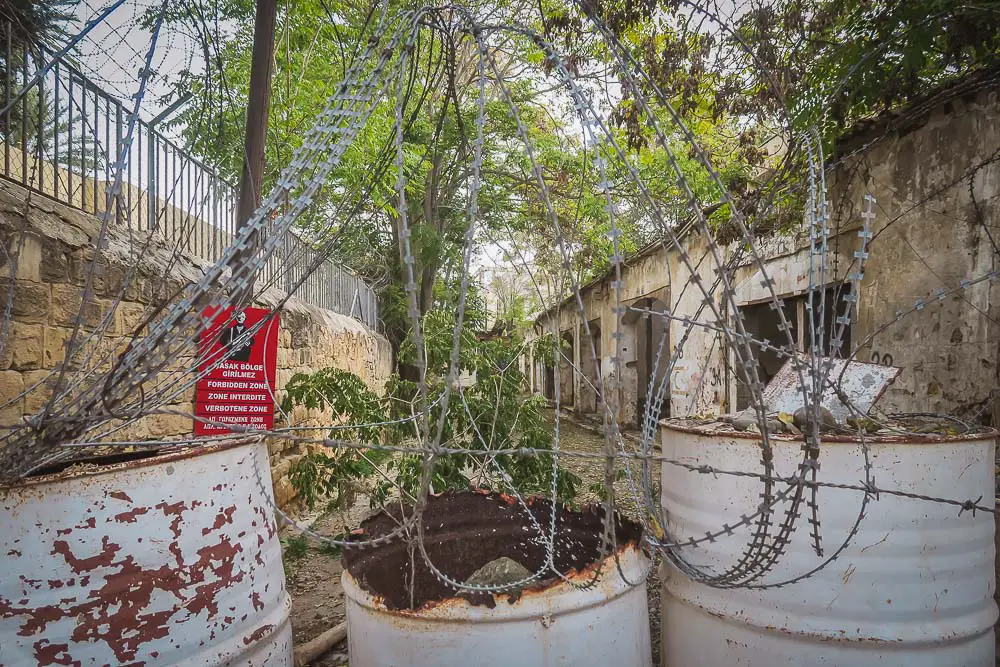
(628, 390)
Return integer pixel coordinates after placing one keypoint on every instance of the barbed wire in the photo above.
(88, 410)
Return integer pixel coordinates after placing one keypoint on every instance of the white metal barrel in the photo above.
(607, 624)
(166, 560)
(913, 587)
(582, 622)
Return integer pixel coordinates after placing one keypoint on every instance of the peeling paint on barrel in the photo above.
(605, 623)
(914, 587)
(169, 560)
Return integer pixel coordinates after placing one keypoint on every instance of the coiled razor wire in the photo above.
(156, 370)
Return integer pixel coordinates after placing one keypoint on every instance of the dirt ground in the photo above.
(312, 574)
(313, 571)
(317, 598)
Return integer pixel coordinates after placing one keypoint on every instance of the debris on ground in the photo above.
(803, 417)
(886, 427)
(851, 387)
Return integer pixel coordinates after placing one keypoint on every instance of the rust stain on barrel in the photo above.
(132, 515)
(108, 593)
(221, 519)
(81, 565)
(483, 519)
(114, 612)
(53, 654)
(257, 634)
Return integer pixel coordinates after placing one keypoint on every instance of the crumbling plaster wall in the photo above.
(698, 380)
(935, 186)
(53, 246)
(936, 183)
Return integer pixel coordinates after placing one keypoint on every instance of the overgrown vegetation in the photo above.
(487, 414)
(295, 548)
(751, 79)
(35, 22)
(802, 63)
(315, 41)
(745, 83)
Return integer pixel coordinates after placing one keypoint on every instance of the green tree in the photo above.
(489, 417)
(806, 63)
(35, 22)
(750, 85)
(26, 26)
(315, 41)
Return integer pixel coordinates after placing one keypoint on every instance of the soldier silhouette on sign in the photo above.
(234, 337)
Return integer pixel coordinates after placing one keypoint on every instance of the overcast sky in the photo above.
(114, 52)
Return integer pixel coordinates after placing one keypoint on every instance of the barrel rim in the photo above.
(179, 453)
(979, 436)
(459, 610)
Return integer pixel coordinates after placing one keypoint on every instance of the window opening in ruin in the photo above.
(761, 322)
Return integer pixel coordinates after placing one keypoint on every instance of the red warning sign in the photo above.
(241, 349)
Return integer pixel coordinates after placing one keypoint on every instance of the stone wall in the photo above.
(935, 184)
(54, 247)
(935, 180)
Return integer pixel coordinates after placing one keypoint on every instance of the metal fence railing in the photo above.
(62, 136)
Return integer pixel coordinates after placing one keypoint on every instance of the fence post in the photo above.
(151, 157)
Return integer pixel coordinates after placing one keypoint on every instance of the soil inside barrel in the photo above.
(464, 531)
(95, 461)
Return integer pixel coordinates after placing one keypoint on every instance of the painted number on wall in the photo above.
(883, 359)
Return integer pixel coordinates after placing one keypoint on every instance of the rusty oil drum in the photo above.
(595, 615)
(172, 559)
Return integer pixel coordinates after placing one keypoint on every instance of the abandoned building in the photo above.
(932, 170)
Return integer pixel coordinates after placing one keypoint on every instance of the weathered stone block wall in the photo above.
(53, 247)
(312, 338)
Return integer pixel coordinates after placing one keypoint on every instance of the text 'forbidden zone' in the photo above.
(239, 351)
